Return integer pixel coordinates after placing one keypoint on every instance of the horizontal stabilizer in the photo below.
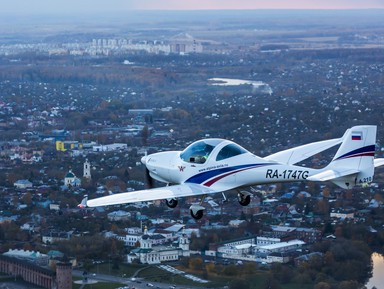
(378, 162)
(300, 153)
(329, 175)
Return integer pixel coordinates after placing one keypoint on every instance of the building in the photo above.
(119, 215)
(280, 247)
(22, 184)
(184, 43)
(19, 267)
(53, 236)
(132, 239)
(110, 147)
(258, 249)
(87, 170)
(68, 145)
(344, 213)
(308, 235)
(64, 275)
(70, 180)
(30, 256)
(307, 258)
(149, 254)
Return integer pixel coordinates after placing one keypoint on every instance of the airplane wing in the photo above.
(300, 153)
(169, 192)
(378, 162)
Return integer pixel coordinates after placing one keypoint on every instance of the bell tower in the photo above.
(184, 243)
(87, 170)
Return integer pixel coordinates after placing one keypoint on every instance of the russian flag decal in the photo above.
(357, 135)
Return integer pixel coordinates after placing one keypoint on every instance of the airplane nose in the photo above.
(144, 160)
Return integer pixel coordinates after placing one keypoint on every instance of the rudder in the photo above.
(356, 152)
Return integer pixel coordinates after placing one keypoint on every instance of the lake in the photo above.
(257, 85)
(377, 278)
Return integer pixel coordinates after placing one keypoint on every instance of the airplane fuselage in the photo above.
(242, 170)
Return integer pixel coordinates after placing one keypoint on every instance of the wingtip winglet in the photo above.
(83, 203)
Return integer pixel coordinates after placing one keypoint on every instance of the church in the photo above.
(149, 254)
(70, 180)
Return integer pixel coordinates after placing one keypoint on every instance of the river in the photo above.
(377, 278)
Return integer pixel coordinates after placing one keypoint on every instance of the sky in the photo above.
(93, 6)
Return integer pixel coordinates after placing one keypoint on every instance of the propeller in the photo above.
(148, 179)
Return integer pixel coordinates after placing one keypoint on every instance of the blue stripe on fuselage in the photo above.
(204, 176)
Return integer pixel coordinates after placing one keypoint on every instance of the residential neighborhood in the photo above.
(75, 120)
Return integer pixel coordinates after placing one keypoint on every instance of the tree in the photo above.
(271, 283)
(322, 285)
(126, 175)
(349, 285)
(328, 258)
(145, 135)
(210, 268)
(230, 270)
(27, 198)
(196, 263)
(239, 284)
(326, 192)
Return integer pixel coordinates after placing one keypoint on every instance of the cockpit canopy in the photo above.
(199, 151)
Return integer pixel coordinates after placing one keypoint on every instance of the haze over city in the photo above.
(91, 6)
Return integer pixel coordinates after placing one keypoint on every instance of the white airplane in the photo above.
(214, 165)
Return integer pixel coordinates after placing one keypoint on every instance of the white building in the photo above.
(280, 247)
(31, 256)
(71, 180)
(119, 215)
(22, 184)
(267, 250)
(110, 147)
(149, 254)
(342, 214)
(87, 169)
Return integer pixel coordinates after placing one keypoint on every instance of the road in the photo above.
(138, 283)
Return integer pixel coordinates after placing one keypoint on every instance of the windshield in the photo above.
(199, 151)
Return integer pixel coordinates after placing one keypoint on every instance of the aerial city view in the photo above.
(208, 144)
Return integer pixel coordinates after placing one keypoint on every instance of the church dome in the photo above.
(70, 175)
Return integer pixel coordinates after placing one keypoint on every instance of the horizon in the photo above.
(183, 11)
(42, 7)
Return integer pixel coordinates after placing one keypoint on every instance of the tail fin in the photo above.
(353, 163)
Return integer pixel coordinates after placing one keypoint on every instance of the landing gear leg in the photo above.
(224, 198)
(171, 203)
(244, 198)
(197, 211)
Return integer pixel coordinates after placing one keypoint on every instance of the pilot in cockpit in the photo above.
(197, 153)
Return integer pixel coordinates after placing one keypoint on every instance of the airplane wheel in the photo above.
(171, 203)
(244, 200)
(199, 214)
